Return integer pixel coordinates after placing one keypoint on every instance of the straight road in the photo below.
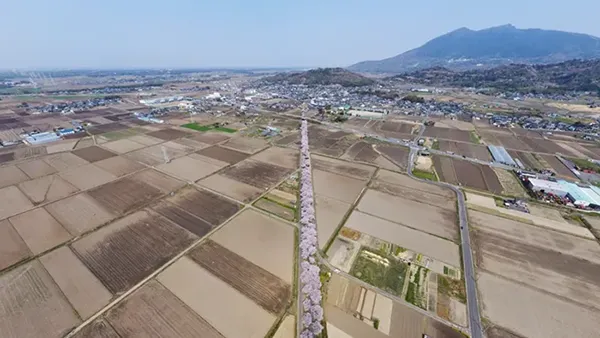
(467, 254)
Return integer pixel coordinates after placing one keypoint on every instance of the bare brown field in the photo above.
(7, 157)
(93, 154)
(354, 170)
(275, 209)
(65, 161)
(123, 146)
(466, 149)
(559, 167)
(468, 174)
(28, 152)
(283, 157)
(286, 140)
(79, 213)
(263, 240)
(343, 325)
(47, 189)
(249, 145)
(158, 180)
(528, 160)
(342, 188)
(119, 166)
(39, 230)
(32, 304)
(406, 322)
(36, 168)
(87, 176)
(61, 146)
(256, 283)
(146, 140)
(448, 134)
(243, 318)
(11, 175)
(154, 155)
(84, 143)
(183, 218)
(405, 128)
(125, 252)
(209, 138)
(398, 155)
(259, 174)
(330, 213)
(124, 195)
(99, 328)
(444, 169)
(12, 247)
(106, 128)
(189, 168)
(408, 188)
(541, 145)
(189, 143)
(83, 290)
(168, 134)
(223, 154)
(532, 313)
(576, 149)
(510, 183)
(153, 311)
(415, 240)
(12, 202)
(237, 190)
(424, 217)
(205, 205)
(389, 177)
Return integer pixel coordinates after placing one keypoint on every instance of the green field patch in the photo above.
(454, 288)
(208, 127)
(424, 175)
(382, 271)
(415, 293)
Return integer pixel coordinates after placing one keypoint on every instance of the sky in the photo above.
(71, 34)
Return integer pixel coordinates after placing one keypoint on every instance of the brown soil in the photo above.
(411, 193)
(11, 175)
(106, 128)
(97, 329)
(79, 213)
(168, 134)
(399, 155)
(83, 290)
(264, 288)
(558, 166)
(247, 144)
(127, 251)
(205, 205)
(237, 190)
(158, 180)
(258, 174)
(124, 195)
(32, 304)
(93, 154)
(448, 134)
(39, 230)
(182, 218)
(36, 168)
(119, 165)
(12, 202)
(288, 139)
(153, 311)
(284, 157)
(209, 138)
(87, 176)
(354, 170)
(469, 174)
(64, 161)
(47, 189)
(445, 169)
(276, 209)
(466, 149)
(12, 247)
(223, 154)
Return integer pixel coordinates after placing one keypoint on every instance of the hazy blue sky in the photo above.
(253, 33)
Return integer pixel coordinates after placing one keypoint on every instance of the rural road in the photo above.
(467, 254)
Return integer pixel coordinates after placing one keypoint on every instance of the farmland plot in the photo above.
(342, 188)
(12, 202)
(256, 283)
(83, 290)
(258, 174)
(47, 189)
(155, 311)
(189, 168)
(36, 168)
(205, 205)
(223, 154)
(11, 175)
(97, 329)
(330, 213)
(242, 318)
(87, 176)
(339, 167)
(123, 146)
(168, 134)
(64, 161)
(397, 154)
(558, 166)
(248, 145)
(79, 213)
(410, 213)
(12, 247)
(32, 304)
(39, 230)
(447, 133)
(125, 252)
(119, 166)
(93, 154)
(237, 190)
(154, 155)
(124, 195)
(183, 218)
(262, 240)
(209, 137)
(528, 159)
(466, 149)
(283, 157)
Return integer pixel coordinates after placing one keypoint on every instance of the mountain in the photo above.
(466, 49)
(322, 76)
(578, 75)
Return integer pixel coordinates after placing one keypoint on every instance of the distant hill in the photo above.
(578, 75)
(322, 76)
(466, 49)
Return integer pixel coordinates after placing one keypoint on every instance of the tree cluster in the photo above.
(310, 282)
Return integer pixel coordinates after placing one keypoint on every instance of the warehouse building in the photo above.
(580, 195)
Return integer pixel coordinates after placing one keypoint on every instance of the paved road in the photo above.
(469, 270)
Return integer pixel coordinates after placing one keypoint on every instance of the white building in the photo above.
(547, 186)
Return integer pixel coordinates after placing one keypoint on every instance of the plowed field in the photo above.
(466, 149)
(153, 311)
(448, 134)
(183, 218)
(264, 288)
(124, 195)
(205, 205)
(472, 175)
(168, 134)
(93, 154)
(258, 174)
(223, 154)
(127, 251)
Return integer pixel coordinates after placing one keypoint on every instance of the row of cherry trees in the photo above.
(310, 283)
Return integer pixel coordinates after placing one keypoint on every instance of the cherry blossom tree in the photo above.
(310, 282)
